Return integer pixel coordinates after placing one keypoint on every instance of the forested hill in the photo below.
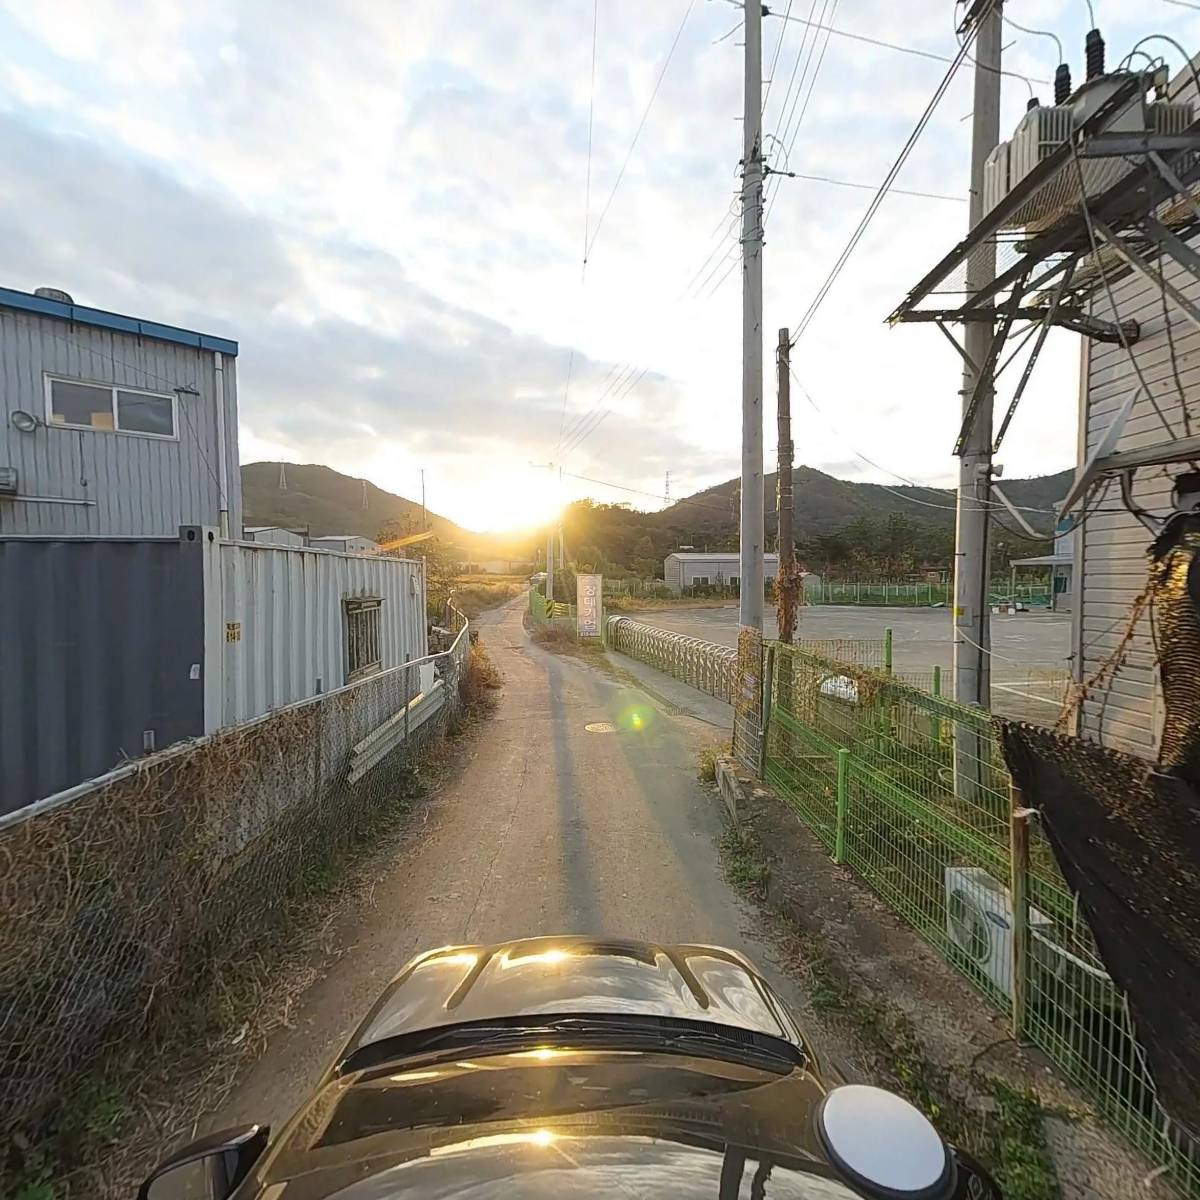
(823, 503)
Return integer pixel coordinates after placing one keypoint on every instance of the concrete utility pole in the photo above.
(972, 627)
(747, 702)
(550, 562)
(750, 608)
(787, 579)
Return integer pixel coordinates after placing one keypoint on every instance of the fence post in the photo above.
(843, 805)
(887, 651)
(765, 728)
(1019, 891)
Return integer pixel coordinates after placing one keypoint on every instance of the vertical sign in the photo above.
(587, 605)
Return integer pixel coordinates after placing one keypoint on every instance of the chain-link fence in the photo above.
(127, 901)
(910, 790)
(876, 593)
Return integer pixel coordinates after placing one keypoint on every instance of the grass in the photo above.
(73, 1153)
(1004, 1130)
(473, 598)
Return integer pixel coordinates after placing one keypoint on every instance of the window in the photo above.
(700, 581)
(362, 637)
(100, 406)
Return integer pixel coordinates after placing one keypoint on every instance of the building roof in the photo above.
(716, 556)
(78, 314)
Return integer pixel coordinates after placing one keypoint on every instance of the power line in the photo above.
(587, 194)
(888, 471)
(859, 37)
(888, 180)
(867, 187)
(641, 124)
(775, 60)
(792, 132)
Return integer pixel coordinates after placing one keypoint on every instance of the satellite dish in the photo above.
(885, 1147)
(1089, 472)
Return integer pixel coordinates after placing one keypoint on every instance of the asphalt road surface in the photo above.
(1028, 649)
(548, 828)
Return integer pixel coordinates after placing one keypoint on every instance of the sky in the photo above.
(385, 202)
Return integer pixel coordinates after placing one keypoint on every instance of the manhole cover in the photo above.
(601, 727)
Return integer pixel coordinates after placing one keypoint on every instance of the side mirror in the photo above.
(208, 1169)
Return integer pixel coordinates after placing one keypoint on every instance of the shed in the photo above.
(273, 535)
(718, 568)
(344, 543)
(1061, 566)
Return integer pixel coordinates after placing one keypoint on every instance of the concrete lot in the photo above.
(1028, 649)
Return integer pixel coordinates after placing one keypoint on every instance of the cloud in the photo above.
(387, 206)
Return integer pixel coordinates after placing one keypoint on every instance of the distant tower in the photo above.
(283, 477)
(364, 494)
(667, 489)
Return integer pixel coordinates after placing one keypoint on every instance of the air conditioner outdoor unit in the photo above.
(979, 919)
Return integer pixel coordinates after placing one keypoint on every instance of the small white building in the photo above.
(272, 535)
(344, 543)
(717, 568)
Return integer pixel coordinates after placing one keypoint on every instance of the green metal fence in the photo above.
(910, 791)
(913, 595)
(548, 614)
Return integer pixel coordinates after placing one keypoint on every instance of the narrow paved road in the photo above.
(548, 828)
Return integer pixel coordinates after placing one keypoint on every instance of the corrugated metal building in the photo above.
(690, 568)
(287, 617)
(109, 647)
(272, 535)
(348, 543)
(1110, 547)
(115, 426)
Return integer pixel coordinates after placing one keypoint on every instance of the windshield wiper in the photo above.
(595, 1031)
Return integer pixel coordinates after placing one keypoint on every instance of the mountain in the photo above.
(823, 503)
(326, 501)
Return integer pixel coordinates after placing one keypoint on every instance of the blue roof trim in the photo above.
(97, 317)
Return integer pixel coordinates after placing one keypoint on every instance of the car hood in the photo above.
(574, 975)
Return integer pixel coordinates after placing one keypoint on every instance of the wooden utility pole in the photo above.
(788, 579)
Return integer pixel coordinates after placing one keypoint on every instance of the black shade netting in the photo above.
(1127, 839)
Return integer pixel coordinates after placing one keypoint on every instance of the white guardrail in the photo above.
(704, 665)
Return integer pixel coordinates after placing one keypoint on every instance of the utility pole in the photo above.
(747, 705)
(787, 580)
(972, 626)
(550, 562)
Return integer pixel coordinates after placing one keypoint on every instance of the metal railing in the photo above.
(704, 665)
(910, 790)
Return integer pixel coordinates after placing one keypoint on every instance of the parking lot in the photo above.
(1029, 650)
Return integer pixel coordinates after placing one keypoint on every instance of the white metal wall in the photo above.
(278, 631)
(1111, 546)
(115, 484)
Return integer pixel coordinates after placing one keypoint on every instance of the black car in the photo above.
(576, 1066)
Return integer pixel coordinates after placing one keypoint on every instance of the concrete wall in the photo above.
(100, 642)
(104, 483)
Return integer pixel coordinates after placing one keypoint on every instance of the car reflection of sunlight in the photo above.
(548, 957)
(538, 1137)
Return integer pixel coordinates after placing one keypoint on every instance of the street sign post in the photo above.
(587, 605)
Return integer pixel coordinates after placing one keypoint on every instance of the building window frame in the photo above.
(700, 581)
(364, 636)
(114, 391)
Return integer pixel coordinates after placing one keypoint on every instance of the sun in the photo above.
(508, 498)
